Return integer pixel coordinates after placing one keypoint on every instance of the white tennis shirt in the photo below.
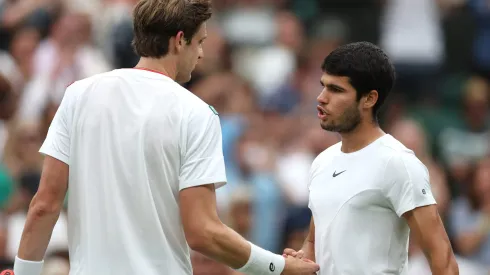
(132, 139)
(358, 199)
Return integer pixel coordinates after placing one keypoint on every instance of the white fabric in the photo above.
(263, 262)
(133, 139)
(23, 267)
(412, 32)
(241, 26)
(358, 224)
(267, 68)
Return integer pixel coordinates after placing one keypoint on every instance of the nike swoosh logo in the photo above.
(336, 174)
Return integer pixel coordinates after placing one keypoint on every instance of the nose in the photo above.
(322, 98)
(201, 53)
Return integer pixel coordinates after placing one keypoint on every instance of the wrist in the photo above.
(262, 262)
(25, 267)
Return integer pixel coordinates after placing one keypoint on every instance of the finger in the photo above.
(285, 256)
(300, 254)
(289, 251)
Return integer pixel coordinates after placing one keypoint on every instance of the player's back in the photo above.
(125, 150)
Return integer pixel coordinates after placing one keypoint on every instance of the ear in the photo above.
(179, 41)
(370, 99)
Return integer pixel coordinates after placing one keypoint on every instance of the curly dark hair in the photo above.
(367, 67)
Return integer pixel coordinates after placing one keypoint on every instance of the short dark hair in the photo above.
(156, 21)
(367, 67)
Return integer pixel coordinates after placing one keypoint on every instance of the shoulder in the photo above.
(195, 109)
(396, 155)
(80, 86)
(400, 163)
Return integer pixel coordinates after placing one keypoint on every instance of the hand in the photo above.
(291, 252)
(296, 266)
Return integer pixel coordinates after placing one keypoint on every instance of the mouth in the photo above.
(322, 114)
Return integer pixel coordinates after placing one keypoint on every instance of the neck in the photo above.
(163, 65)
(363, 135)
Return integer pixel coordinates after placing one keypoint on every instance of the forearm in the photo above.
(224, 245)
(309, 250)
(445, 265)
(38, 228)
(441, 259)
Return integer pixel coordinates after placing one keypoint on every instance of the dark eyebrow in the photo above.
(335, 87)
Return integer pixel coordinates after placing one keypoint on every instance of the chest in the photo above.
(348, 185)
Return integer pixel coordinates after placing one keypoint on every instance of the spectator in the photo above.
(470, 216)
(468, 141)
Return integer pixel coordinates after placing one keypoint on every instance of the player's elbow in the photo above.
(197, 243)
(200, 238)
(40, 208)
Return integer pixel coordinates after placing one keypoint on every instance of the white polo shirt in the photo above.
(132, 139)
(358, 199)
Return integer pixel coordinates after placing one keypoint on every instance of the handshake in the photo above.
(297, 264)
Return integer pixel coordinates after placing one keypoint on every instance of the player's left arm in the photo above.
(46, 205)
(410, 194)
(430, 235)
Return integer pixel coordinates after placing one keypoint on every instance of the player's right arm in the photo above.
(202, 171)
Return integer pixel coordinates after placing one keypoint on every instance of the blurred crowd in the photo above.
(261, 72)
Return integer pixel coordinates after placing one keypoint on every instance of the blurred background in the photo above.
(261, 71)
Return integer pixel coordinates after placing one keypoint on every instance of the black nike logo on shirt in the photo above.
(336, 174)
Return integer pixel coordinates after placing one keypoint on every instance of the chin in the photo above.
(183, 80)
(328, 127)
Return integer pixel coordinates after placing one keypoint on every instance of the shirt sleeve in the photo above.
(202, 158)
(57, 142)
(408, 184)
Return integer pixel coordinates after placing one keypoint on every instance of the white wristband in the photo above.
(23, 267)
(263, 262)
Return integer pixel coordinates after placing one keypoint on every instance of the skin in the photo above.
(205, 233)
(340, 111)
